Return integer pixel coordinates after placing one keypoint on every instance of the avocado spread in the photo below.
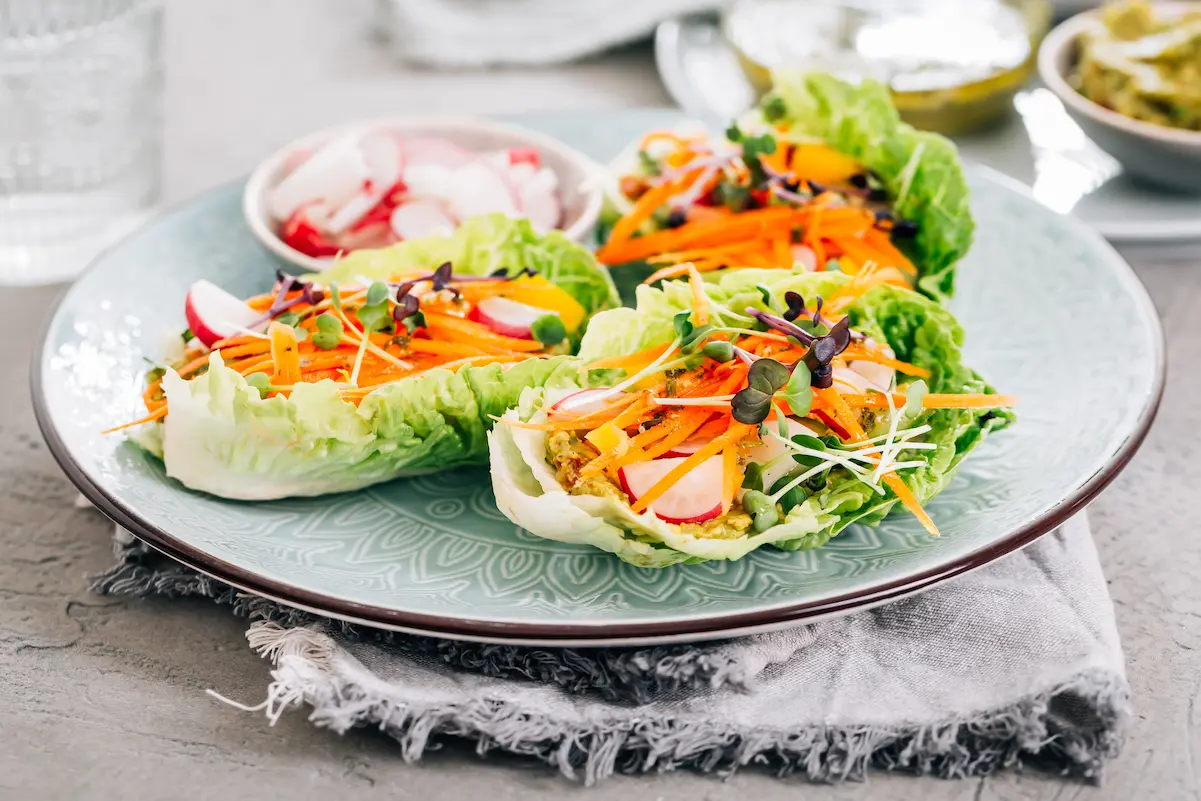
(568, 453)
(1143, 66)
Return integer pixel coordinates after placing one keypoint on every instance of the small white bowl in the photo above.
(1170, 157)
(579, 190)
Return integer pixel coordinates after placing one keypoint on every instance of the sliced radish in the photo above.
(773, 454)
(522, 173)
(214, 314)
(687, 447)
(425, 151)
(693, 499)
(373, 235)
(301, 233)
(508, 317)
(294, 160)
(852, 381)
(419, 218)
(384, 160)
(425, 181)
(332, 175)
(539, 201)
(804, 256)
(477, 189)
(525, 155)
(586, 401)
(878, 375)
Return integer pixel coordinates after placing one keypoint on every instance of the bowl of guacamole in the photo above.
(1130, 74)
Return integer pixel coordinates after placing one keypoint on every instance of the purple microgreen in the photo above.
(752, 404)
(796, 306)
(781, 325)
(287, 284)
(406, 306)
(789, 195)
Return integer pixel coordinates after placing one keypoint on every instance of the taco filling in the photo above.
(769, 415)
(823, 176)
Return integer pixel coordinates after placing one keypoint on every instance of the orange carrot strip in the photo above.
(155, 415)
(736, 432)
(266, 365)
(259, 346)
(860, 353)
(782, 252)
(718, 232)
(643, 208)
(625, 362)
(686, 425)
(966, 400)
(456, 329)
(440, 348)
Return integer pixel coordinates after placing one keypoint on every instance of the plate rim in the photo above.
(713, 626)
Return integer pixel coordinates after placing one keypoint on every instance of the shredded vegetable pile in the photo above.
(363, 337)
(755, 201)
(736, 398)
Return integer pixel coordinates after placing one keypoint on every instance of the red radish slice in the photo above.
(302, 234)
(687, 447)
(521, 174)
(425, 151)
(525, 155)
(477, 189)
(804, 255)
(385, 161)
(508, 317)
(214, 314)
(693, 499)
(540, 200)
(498, 162)
(586, 401)
(419, 218)
(332, 175)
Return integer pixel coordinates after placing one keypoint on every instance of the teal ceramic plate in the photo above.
(1052, 314)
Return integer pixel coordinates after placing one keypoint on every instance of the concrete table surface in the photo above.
(104, 699)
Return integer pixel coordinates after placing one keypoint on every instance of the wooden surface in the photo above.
(105, 699)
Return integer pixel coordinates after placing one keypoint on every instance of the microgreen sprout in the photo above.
(549, 330)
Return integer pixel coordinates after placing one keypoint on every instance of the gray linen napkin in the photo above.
(1015, 662)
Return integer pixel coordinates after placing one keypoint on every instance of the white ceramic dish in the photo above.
(1167, 156)
(580, 193)
(1040, 145)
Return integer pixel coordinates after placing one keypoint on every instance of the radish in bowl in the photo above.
(326, 194)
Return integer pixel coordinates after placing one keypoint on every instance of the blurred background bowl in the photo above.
(1169, 157)
(580, 192)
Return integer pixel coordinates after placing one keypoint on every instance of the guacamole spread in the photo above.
(1144, 66)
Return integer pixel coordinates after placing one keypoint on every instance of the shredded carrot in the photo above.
(894, 482)
(735, 432)
(266, 365)
(935, 401)
(437, 347)
(157, 414)
(864, 354)
(700, 234)
(456, 329)
(642, 357)
(700, 300)
(644, 207)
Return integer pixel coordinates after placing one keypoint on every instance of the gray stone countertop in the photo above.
(104, 699)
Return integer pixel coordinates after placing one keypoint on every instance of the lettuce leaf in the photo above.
(484, 244)
(921, 170)
(917, 328)
(222, 438)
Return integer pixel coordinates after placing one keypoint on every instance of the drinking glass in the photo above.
(80, 130)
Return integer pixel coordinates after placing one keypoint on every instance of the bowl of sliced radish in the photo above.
(371, 184)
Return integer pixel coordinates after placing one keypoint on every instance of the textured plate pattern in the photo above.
(1037, 286)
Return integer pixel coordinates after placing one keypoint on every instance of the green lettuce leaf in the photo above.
(921, 170)
(917, 328)
(484, 244)
(223, 438)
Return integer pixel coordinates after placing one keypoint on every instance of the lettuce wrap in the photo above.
(815, 139)
(549, 496)
(315, 407)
